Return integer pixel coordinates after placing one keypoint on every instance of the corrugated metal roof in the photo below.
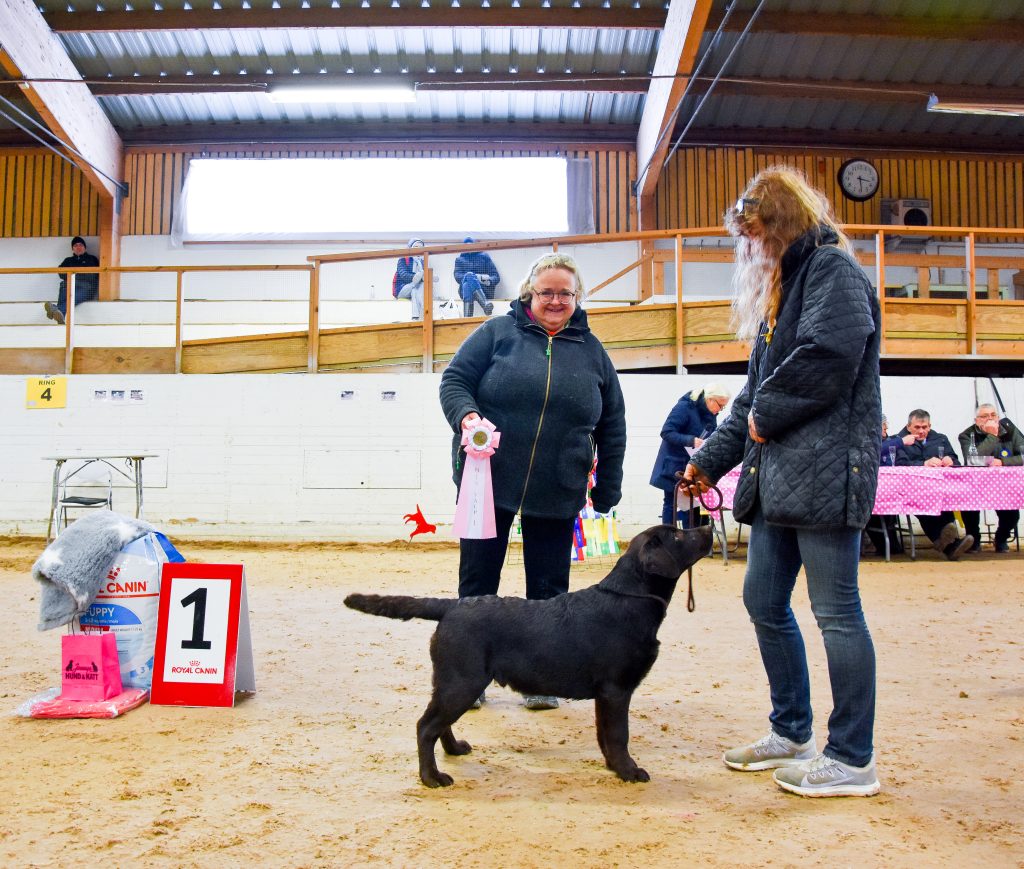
(504, 52)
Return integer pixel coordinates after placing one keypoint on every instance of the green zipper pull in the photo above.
(548, 351)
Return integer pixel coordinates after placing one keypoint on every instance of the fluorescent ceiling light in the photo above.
(975, 107)
(391, 92)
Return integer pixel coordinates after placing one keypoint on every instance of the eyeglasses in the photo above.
(741, 204)
(549, 296)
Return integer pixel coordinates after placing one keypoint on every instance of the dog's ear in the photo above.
(658, 559)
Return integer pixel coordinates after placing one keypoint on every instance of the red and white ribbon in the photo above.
(474, 512)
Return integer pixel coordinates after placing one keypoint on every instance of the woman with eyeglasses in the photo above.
(545, 381)
(689, 424)
(807, 429)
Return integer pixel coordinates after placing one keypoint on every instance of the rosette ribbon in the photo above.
(474, 512)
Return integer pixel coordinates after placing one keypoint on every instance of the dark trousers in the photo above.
(682, 516)
(1004, 530)
(547, 545)
(932, 525)
(85, 291)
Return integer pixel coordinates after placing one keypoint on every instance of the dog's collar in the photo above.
(662, 601)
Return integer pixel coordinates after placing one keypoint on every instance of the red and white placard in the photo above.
(203, 645)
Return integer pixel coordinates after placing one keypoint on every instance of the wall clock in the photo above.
(858, 179)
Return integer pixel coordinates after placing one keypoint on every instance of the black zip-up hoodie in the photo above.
(501, 371)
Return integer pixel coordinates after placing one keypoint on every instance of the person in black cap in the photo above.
(86, 286)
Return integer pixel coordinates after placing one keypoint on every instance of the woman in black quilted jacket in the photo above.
(806, 428)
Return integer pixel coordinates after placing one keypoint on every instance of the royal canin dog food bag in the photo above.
(128, 605)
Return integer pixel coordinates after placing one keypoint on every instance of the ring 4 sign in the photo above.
(203, 645)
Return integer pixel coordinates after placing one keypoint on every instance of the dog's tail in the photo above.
(401, 606)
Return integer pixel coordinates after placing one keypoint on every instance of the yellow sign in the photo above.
(45, 392)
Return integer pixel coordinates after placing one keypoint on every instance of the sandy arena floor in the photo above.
(319, 769)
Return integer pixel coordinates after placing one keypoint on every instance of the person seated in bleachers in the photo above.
(87, 287)
(991, 441)
(932, 449)
(477, 277)
(408, 280)
(891, 447)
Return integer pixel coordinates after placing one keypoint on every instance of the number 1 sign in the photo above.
(203, 646)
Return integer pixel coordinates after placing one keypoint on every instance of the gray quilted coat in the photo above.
(814, 393)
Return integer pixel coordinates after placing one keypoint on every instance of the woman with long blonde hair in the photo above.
(806, 428)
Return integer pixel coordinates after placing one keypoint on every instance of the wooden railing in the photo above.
(651, 335)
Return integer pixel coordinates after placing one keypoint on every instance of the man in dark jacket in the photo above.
(932, 449)
(807, 429)
(86, 286)
(993, 442)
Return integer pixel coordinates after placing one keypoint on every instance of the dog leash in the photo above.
(694, 511)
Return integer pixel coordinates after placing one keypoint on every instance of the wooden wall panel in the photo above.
(42, 195)
(700, 183)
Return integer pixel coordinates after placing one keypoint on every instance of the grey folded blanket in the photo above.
(72, 568)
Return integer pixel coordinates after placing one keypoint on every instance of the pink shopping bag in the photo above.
(89, 667)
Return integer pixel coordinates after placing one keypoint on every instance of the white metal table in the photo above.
(133, 461)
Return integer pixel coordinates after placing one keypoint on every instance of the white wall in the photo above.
(283, 455)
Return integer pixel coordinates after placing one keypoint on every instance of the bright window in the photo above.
(375, 197)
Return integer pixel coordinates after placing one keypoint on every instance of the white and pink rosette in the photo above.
(474, 512)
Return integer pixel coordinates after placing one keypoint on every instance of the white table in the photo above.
(133, 461)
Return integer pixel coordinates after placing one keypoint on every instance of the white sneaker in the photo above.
(827, 777)
(770, 752)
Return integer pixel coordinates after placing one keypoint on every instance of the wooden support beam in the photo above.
(29, 50)
(313, 345)
(880, 286)
(677, 52)
(972, 296)
(428, 315)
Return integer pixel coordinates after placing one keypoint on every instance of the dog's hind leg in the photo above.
(612, 713)
(454, 746)
(429, 729)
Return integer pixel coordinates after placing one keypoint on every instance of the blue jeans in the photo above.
(85, 291)
(830, 557)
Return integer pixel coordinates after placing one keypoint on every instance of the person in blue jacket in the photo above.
(693, 418)
(477, 277)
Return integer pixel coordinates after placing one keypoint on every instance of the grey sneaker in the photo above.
(53, 312)
(958, 547)
(947, 535)
(827, 777)
(480, 701)
(770, 752)
(539, 701)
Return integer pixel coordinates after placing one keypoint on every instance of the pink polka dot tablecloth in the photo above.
(930, 491)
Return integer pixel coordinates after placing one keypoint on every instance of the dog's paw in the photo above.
(637, 774)
(437, 779)
(458, 747)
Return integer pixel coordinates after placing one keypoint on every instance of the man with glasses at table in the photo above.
(931, 449)
(992, 442)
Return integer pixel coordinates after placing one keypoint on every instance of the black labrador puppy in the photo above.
(597, 643)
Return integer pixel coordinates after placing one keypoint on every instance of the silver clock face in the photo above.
(858, 179)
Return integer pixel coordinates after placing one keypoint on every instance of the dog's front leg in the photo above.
(612, 713)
